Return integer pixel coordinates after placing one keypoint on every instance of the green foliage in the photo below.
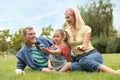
(1, 52)
(7, 71)
(4, 40)
(64, 26)
(100, 43)
(17, 41)
(46, 31)
(113, 45)
(106, 45)
(98, 15)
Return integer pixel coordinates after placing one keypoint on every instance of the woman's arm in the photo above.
(86, 40)
(84, 45)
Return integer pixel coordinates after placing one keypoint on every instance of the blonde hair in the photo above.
(63, 34)
(78, 18)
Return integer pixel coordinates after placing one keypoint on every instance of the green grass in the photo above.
(8, 63)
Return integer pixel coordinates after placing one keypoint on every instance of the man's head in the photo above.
(29, 35)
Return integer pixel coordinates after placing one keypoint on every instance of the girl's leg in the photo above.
(48, 70)
(66, 67)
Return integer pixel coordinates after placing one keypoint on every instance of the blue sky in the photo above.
(15, 14)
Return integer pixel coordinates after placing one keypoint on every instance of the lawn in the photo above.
(7, 71)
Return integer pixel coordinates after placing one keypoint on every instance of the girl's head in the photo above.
(59, 36)
(73, 18)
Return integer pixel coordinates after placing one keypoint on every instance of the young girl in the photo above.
(59, 58)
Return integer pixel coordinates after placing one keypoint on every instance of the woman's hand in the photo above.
(80, 47)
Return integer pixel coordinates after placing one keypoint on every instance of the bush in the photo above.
(113, 45)
(100, 43)
(106, 45)
(0, 53)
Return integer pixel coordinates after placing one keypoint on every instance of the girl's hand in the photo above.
(80, 47)
(45, 49)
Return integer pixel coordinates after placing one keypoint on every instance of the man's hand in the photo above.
(19, 71)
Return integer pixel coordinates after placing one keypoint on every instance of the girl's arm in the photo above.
(54, 52)
(50, 65)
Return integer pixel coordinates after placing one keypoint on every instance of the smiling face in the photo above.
(70, 18)
(29, 36)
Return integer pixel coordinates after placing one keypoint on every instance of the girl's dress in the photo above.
(59, 60)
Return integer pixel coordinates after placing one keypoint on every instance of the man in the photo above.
(30, 54)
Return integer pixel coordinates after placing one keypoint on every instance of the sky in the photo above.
(15, 14)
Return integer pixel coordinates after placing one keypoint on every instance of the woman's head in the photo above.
(59, 36)
(73, 18)
(70, 17)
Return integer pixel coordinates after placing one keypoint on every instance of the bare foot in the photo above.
(117, 71)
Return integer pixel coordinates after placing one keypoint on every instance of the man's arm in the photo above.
(49, 41)
(20, 67)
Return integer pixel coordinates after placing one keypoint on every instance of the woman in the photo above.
(85, 57)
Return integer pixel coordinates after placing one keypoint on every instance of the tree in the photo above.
(4, 43)
(16, 40)
(98, 15)
(46, 31)
(64, 26)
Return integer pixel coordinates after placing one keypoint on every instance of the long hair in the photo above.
(66, 39)
(78, 17)
(65, 35)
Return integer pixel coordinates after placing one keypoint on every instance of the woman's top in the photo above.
(79, 39)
